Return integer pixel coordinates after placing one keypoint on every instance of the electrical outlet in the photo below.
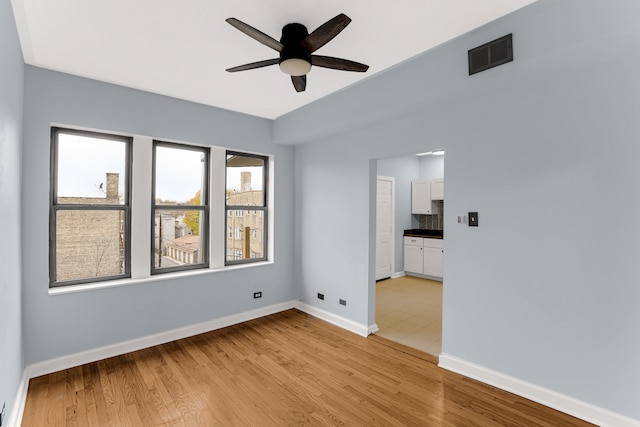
(320, 296)
(343, 302)
(257, 295)
(2, 416)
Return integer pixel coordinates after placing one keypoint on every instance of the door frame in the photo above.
(392, 207)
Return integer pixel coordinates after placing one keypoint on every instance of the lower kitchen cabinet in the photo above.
(413, 254)
(432, 261)
(423, 256)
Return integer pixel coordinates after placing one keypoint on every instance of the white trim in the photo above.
(15, 416)
(550, 398)
(141, 183)
(355, 327)
(93, 286)
(398, 274)
(77, 359)
(392, 254)
(373, 329)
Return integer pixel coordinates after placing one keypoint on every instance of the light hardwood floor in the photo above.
(281, 370)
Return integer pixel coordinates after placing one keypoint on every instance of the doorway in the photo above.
(408, 309)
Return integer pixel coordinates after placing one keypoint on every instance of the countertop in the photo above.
(429, 234)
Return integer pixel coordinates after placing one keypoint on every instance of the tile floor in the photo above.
(409, 311)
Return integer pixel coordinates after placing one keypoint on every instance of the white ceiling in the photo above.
(181, 48)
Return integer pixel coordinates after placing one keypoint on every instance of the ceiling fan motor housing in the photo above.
(292, 37)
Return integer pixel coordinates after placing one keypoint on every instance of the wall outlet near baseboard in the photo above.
(343, 302)
(320, 296)
(257, 295)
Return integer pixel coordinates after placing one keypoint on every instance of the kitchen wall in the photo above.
(430, 167)
(552, 133)
(60, 325)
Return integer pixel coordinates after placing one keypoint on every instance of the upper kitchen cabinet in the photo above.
(437, 189)
(423, 192)
(421, 197)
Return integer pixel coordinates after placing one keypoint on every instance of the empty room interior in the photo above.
(211, 199)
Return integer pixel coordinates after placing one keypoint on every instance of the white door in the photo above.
(384, 227)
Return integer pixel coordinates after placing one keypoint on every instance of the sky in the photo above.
(83, 163)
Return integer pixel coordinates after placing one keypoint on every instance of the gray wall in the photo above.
(11, 101)
(546, 149)
(60, 325)
(431, 167)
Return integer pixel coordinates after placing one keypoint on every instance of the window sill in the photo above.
(63, 290)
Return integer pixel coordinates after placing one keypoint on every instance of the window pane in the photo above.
(89, 244)
(177, 238)
(91, 170)
(244, 180)
(246, 239)
(180, 175)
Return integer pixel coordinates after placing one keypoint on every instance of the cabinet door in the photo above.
(433, 261)
(421, 197)
(413, 259)
(437, 189)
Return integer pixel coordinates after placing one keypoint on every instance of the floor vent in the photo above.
(492, 54)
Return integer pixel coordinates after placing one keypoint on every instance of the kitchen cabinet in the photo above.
(437, 189)
(413, 254)
(423, 256)
(423, 193)
(421, 197)
(432, 259)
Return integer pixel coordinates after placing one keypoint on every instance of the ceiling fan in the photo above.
(296, 47)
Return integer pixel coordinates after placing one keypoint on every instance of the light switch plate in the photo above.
(473, 219)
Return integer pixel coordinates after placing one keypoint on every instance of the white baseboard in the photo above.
(552, 399)
(398, 274)
(530, 391)
(93, 355)
(77, 359)
(15, 416)
(355, 327)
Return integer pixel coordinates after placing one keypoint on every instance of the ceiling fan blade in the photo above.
(256, 34)
(325, 32)
(338, 63)
(299, 82)
(253, 65)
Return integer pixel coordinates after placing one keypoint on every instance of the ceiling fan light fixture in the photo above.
(295, 66)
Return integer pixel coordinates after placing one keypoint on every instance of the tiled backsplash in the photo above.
(433, 222)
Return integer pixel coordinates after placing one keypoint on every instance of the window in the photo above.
(90, 215)
(179, 202)
(246, 183)
(104, 225)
